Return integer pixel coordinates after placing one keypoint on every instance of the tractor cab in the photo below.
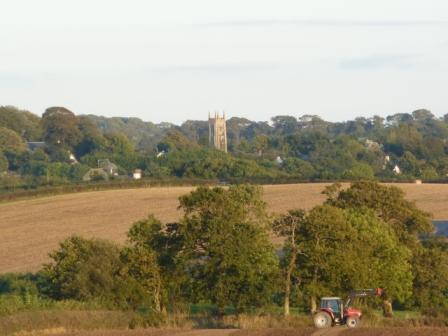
(334, 307)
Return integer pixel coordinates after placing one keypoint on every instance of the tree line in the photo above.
(221, 253)
(400, 147)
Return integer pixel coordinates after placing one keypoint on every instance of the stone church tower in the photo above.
(217, 133)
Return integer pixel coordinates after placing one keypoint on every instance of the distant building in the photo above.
(72, 159)
(137, 175)
(279, 160)
(109, 167)
(372, 145)
(397, 170)
(95, 174)
(217, 132)
(33, 145)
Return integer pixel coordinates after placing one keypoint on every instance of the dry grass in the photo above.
(270, 332)
(199, 332)
(58, 322)
(396, 332)
(30, 229)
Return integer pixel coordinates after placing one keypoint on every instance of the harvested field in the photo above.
(200, 332)
(397, 332)
(30, 229)
(271, 332)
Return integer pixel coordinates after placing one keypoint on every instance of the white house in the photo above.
(137, 175)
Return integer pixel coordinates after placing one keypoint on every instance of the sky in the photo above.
(175, 60)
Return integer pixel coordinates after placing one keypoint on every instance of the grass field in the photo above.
(30, 229)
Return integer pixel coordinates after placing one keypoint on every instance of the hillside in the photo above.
(400, 147)
(30, 229)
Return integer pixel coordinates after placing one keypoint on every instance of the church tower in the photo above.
(217, 133)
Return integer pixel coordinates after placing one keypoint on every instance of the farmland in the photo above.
(272, 332)
(32, 228)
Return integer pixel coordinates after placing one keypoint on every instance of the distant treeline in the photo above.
(399, 147)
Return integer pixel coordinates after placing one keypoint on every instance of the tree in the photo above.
(431, 272)
(89, 269)
(298, 167)
(360, 171)
(11, 140)
(389, 205)
(409, 164)
(164, 280)
(388, 202)
(91, 138)
(24, 123)
(226, 248)
(346, 249)
(141, 259)
(285, 124)
(405, 137)
(286, 226)
(61, 127)
(141, 264)
(422, 115)
(3, 163)
(175, 140)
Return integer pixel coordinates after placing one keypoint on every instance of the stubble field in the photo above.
(30, 229)
(274, 332)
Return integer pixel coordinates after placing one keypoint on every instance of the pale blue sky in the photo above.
(173, 60)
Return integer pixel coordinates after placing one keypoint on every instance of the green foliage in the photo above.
(3, 163)
(167, 277)
(220, 254)
(141, 261)
(61, 127)
(10, 140)
(226, 246)
(24, 123)
(350, 249)
(431, 272)
(206, 163)
(175, 140)
(360, 171)
(309, 147)
(390, 205)
(89, 270)
(92, 139)
(298, 167)
(408, 223)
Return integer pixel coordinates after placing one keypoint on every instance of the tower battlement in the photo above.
(217, 131)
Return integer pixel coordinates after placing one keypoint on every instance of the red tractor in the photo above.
(332, 311)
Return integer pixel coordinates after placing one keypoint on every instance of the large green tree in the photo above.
(24, 123)
(388, 203)
(346, 249)
(287, 227)
(90, 270)
(61, 127)
(10, 140)
(226, 248)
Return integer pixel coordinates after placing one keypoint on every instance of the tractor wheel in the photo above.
(322, 320)
(353, 322)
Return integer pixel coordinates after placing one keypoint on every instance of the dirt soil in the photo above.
(342, 331)
(198, 332)
(30, 229)
(397, 332)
